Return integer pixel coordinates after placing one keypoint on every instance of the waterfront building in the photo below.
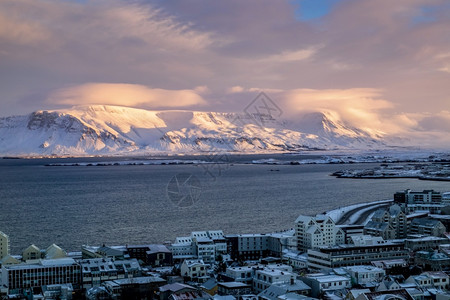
(4, 245)
(116, 252)
(151, 255)
(32, 252)
(314, 232)
(204, 245)
(429, 200)
(20, 277)
(328, 257)
(95, 271)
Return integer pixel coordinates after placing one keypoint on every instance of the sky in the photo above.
(377, 63)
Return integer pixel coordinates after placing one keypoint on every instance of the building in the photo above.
(351, 230)
(297, 287)
(314, 232)
(233, 288)
(432, 260)
(32, 252)
(95, 271)
(134, 288)
(425, 243)
(194, 269)
(321, 283)
(271, 275)
(24, 276)
(439, 280)
(4, 245)
(167, 290)
(401, 294)
(151, 255)
(429, 200)
(329, 257)
(426, 226)
(257, 246)
(204, 245)
(363, 274)
(116, 252)
(390, 223)
(241, 274)
(383, 230)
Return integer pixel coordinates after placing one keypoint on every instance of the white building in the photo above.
(194, 269)
(4, 245)
(95, 271)
(270, 275)
(321, 283)
(365, 274)
(204, 245)
(314, 232)
(241, 274)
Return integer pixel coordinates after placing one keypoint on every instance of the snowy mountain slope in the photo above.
(114, 130)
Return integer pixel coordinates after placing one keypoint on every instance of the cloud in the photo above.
(360, 106)
(132, 95)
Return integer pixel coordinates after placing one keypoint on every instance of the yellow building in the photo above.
(4, 245)
(31, 253)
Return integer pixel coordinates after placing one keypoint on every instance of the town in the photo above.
(401, 250)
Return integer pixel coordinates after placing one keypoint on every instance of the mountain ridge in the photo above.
(117, 130)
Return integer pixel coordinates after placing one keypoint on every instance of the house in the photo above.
(32, 252)
(134, 288)
(401, 294)
(439, 280)
(54, 252)
(363, 275)
(321, 283)
(151, 255)
(423, 281)
(167, 290)
(275, 291)
(354, 293)
(234, 288)
(432, 260)
(194, 269)
(210, 286)
(95, 271)
(271, 275)
(388, 285)
(241, 274)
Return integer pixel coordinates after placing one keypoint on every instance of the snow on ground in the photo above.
(338, 213)
(353, 218)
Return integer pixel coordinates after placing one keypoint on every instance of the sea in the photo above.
(94, 201)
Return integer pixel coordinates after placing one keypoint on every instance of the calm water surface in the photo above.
(71, 206)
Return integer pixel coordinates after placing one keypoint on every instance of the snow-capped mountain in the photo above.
(115, 130)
